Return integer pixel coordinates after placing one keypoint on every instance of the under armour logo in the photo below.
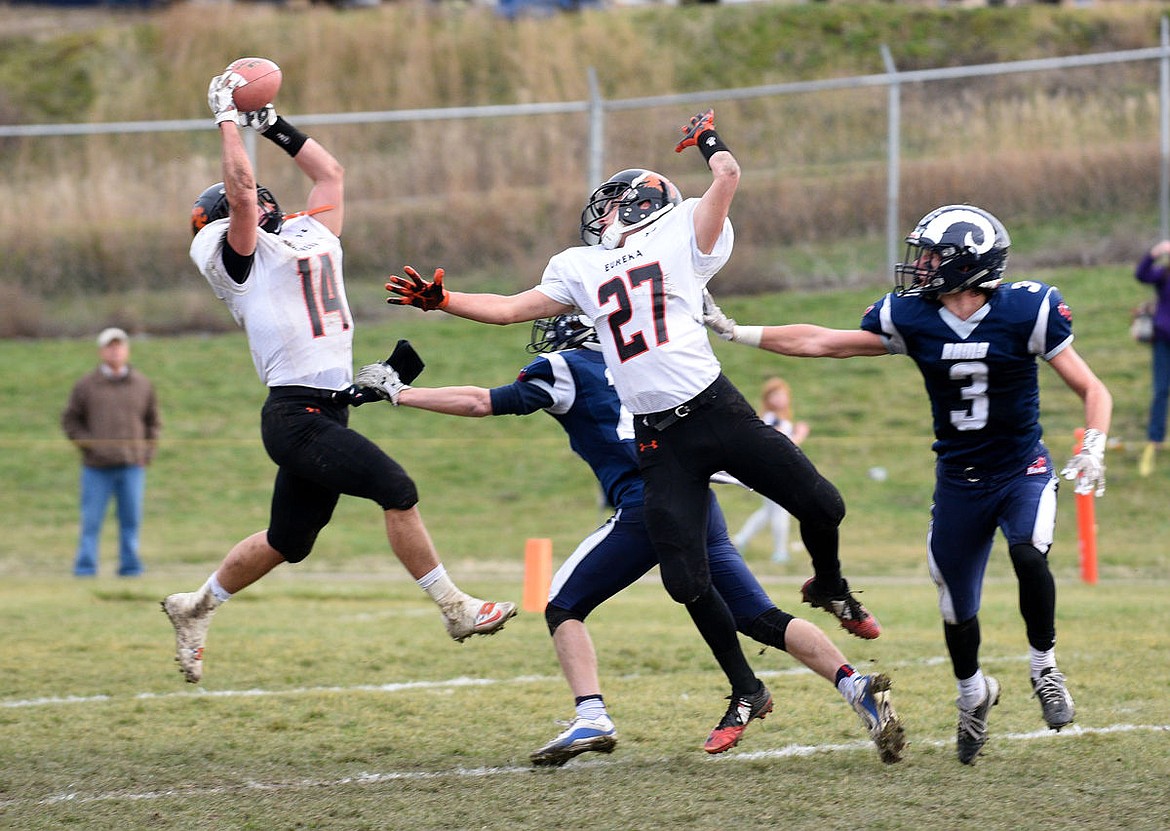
(709, 141)
(643, 446)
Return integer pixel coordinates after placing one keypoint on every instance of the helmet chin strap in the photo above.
(614, 236)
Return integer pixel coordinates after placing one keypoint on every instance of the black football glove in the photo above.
(406, 362)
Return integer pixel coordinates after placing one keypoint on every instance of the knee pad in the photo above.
(399, 493)
(684, 588)
(554, 616)
(1027, 559)
(293, 550)
(769, 628)
(834, 503)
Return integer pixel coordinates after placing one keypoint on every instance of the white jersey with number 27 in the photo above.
(646, 300)
(292, 306)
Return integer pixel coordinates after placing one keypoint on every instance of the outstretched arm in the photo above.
(804, 340)
(715, 204)
(413, 290)
(328, 184)
(327, 198)
(504, 309)
(472, 402)
(239, 184)
(800, 340)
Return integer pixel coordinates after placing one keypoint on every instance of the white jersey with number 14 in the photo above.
(292, 306)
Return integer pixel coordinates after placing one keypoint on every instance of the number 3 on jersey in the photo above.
(973, 377)
(621, 290)
(321, 295)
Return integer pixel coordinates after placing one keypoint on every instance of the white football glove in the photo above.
(715, 320)
(219, 96)
(258, 120)
(1088, 466)
(725, 327)
(382, 380)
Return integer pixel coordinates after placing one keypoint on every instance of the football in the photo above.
(262, 80)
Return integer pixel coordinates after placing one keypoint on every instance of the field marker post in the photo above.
(1086, 524)
(537, 574)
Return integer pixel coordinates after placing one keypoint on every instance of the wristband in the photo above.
(709, 144)
(750, 335)
(1093, 443)
(287, 137)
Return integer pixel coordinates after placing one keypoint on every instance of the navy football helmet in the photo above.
(568, 331)
(212, 204)
(642, 196)
(953, 248)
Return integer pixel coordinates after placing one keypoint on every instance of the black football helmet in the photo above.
(568, 331)
(212, 204)
(642, 196)
(953, 248)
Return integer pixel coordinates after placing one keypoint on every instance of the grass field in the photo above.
(339, 703)
(333, 699)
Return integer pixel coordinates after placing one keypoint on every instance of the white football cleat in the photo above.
(190, 614)
(580, 736)
(472, 616)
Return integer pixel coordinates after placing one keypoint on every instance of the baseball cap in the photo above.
(112, 334)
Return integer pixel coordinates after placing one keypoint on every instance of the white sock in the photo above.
(1041, 661)
(972, 690)
(220, 594)
(591, 708)
(439, 586)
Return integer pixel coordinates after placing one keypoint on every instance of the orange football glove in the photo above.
(699, 124)
(413, 290)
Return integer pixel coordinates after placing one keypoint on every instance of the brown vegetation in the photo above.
(491, 199)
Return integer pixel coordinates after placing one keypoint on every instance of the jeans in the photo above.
(126, 484)
(1156, 427)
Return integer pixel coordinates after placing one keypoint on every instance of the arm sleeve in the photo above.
(531, 391)
(237, 266)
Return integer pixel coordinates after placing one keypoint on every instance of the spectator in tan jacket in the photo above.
(112, 417)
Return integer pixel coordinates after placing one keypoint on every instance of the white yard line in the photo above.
(1070, 733)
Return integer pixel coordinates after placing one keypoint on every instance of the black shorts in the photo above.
(319, 458)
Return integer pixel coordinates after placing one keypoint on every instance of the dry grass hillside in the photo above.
(97, 226)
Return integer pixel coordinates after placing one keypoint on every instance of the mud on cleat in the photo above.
(190, 613)
(870, 699)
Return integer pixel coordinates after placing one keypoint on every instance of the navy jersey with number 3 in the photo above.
(980, 373)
